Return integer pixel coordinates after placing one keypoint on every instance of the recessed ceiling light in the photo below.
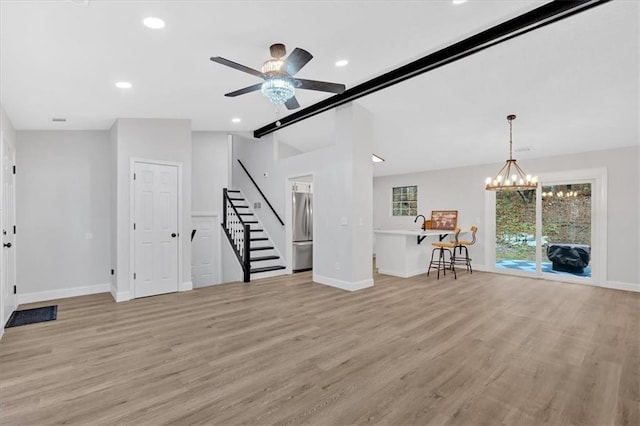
(376, 159)
(236, 120)
(124, 85)
(153, 22)
(342, 63)
(459, 1)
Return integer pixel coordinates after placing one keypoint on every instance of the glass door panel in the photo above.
(515, 231)
(566, 229)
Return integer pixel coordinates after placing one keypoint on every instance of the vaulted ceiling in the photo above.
(573, 84)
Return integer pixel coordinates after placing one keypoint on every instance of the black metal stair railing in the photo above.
(261, 193)
(238, 233)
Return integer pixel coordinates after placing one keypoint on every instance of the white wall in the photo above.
(210, 153)
(7, 302)
(62, 212)
(342, 178)
(151, 139)
(462, 189)
(210, 170)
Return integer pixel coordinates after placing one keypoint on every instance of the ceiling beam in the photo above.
(522, 24)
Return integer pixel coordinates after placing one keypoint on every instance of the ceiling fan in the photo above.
(279, 84)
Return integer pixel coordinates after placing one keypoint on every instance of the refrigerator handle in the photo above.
(309, 224)
(304, 217)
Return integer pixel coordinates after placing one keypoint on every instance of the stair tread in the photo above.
(261, 248)
(256, 230)
(233, 190)
(267, 269)
(250, 221)
(241, 207)
(260, 239)
(258, 259)
(246, 214)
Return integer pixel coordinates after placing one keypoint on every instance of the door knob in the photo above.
(173, 235)
(7, 245)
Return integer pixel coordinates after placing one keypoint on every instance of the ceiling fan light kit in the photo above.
(279, 85)
(278, 90)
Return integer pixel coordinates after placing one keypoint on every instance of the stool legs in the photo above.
(441, 263)
(465, 258)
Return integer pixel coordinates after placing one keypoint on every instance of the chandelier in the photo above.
(278, 87)
(511, 177)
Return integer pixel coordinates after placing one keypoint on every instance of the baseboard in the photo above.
(344, 285)
(122, 296)
(617, 285)
(481, 268)
(188, 286)
(402, 274)
(623, 286)
(63, 293)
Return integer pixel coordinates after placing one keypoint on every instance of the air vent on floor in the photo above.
(59, 120)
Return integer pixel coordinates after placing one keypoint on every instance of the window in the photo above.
(405, 201)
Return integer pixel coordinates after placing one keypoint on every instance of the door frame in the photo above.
(598, 179)
(5, 286)
(132, 164)
(288, 216)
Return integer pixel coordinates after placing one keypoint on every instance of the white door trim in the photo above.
(288, 218)
(5, 286)
(132, 163)
(598, 179)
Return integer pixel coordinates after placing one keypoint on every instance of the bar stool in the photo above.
(441, 264)
(466, 260)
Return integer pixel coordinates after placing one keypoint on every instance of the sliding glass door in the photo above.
(566, 229)
(557, 232)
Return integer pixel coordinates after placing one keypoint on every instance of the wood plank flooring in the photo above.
(484, 349)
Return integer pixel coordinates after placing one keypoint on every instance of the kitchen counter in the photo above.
(402, 253)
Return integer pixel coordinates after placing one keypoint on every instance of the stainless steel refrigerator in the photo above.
(302, 231)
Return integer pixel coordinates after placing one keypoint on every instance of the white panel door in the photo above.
(156, 229)
(204, 255)
(8, 221)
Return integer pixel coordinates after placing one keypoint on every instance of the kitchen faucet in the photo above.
(424, 221)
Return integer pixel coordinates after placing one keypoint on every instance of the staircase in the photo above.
(251, 244)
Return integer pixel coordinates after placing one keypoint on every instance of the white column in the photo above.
(344, 196)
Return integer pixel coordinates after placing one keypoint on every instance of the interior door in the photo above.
(156, 235)
(204, 255)
(8, 238)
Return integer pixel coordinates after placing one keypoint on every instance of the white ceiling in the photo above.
(573, 84)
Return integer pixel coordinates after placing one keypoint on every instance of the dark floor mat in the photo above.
(32, 316)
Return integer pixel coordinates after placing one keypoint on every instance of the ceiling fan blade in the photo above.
(237, 66)
(245, 90)
(296, 60)
(322, 86)
(292, 103)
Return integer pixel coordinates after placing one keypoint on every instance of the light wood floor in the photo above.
(483, 349)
